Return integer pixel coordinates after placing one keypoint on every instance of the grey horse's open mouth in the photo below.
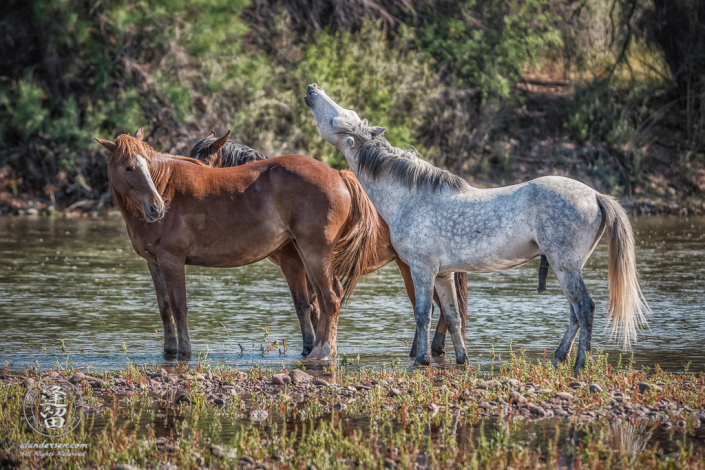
(307, 102)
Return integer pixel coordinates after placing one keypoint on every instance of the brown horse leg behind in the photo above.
(294, 271)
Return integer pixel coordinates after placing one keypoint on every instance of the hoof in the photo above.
(306, 352)
(326, 351)
(314, 354)
(170, 353)
(461, 359)
(423, 361)
(438, 352)
(184, 355)
(555, 363)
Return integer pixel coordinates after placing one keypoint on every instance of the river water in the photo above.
(77, 281)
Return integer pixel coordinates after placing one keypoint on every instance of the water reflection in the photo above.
(79, 281)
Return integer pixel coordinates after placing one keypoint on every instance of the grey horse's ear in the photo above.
(139, 134)
(376, 130)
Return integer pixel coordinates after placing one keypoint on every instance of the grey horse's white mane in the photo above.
(376, 154)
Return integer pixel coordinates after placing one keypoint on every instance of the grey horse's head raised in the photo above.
(335, 122)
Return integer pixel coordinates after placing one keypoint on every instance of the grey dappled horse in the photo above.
(439, 224)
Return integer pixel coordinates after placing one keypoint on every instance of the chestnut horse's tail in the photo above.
(356, 252)
(627, 308)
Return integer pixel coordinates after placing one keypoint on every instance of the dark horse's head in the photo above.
(219, 152)
(128, 171)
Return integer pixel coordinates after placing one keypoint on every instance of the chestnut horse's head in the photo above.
(128, 171)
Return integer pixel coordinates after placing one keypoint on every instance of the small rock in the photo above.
(680, 424)
(246, 459)
(125, 467)
(299, 377)
(433, 408)
(340, 406)
(666, 425)
(320, 382)
(577, 385)
(280, 379)
(517, 397)
(537, 410)
(512, 383)
(183, 399)
(643, 387)
(565, 396)
(28, 382)
(217, 451)
(219, 401)
(389, 463)
(163, 372)
(489, 384)
(259, 415)
(595, 388)
(394, 392)
(200, 377)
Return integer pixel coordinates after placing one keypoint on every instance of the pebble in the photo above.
(517, 397)
(643, 387)
(217, 451)
(565, 396)
(321, 382)
(246, 459)
(281, 379)
(394, 392)
(577, 385)
(28, 382)
(489, 384)
(299, 376)
(183, 399)
(595, 388)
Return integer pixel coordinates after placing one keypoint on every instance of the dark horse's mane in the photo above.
(232, 154)
(376, 154)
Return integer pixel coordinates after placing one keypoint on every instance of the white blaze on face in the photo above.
(143, 168)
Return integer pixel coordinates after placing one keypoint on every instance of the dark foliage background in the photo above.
(611, 92)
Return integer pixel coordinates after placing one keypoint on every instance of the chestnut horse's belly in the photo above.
(240, 250)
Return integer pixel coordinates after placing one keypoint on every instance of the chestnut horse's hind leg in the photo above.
(295, 273)
(173, 271)
(170, 343)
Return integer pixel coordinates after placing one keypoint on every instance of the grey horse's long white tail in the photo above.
(627, 309)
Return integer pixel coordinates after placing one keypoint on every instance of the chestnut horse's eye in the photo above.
(128, 168)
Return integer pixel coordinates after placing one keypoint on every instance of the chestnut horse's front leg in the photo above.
(173, 272)
(170, 343)
(288, 259)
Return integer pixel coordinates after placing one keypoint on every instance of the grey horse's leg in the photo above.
(446, 293)
(170, 343)
(564, 348)
(584, 308)
(423, 289)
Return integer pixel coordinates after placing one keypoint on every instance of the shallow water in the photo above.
(79, 281)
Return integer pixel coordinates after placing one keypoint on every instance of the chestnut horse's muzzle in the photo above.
(153, 212)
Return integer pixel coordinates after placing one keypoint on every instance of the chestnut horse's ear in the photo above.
(220, 143)
(212, 134)
(139, 134)
(110, 146)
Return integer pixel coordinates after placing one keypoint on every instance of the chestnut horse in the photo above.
(224, 153)
(179, 211)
